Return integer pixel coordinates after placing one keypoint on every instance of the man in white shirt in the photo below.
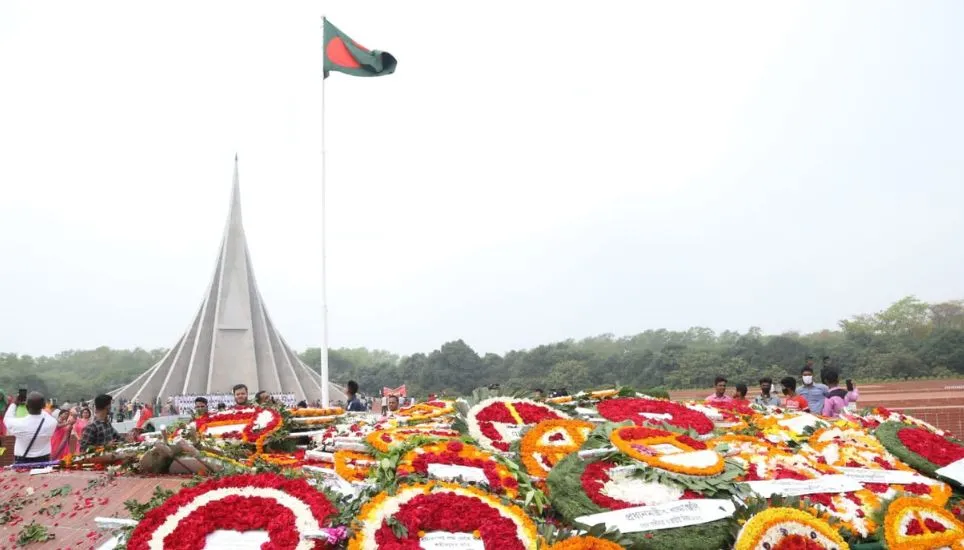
(33, 432)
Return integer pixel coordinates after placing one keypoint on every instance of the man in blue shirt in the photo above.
(813, 393)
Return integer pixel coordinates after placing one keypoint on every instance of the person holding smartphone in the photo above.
(837, 398)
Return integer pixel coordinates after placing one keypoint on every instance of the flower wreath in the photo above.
(780, 464)
(549, 441)
(498, 421)
(780, 428)
(788, 529)
(400, 520)
(592, 396)
(498, 477)
(915, 524)
(920, 448)
(387, 439)
(283, 507)
(854, 510)
(669, 451)
(249, 424)
(585, 543)
(743, 446)
(579, 487)
(352, 465)
(854, 448)
(850, 447)
(642, 410)
(329, 411)
(877, 416)
(726, 416)
(427, 410)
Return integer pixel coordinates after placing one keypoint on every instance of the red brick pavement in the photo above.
(91, 495)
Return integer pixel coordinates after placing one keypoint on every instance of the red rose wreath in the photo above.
(265, 502)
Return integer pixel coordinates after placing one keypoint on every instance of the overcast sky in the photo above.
(533, 171)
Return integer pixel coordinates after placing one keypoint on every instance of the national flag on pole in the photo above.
(344, 55)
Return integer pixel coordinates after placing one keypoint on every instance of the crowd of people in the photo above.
(43, 434)
(823, 398)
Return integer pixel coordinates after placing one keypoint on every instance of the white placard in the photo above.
(954, 470)
(668, 515)
(236, 540)
(443, 540)
(511, 432)
(657, 416)
(897, 477)
(452, 472)
(665, 448)
(796, 487)
(332, 480)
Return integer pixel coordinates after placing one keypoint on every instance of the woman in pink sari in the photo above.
(61, 438)
(79, 426)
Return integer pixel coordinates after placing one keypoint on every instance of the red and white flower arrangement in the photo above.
(924, 450)
(385, 440)
(284, 508)
(456, 453)
(249, 424)
(669, 451)
(641, 410)
(499, 421)
(615, 487)
(399, 521)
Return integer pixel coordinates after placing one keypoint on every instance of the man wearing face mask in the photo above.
(813, 393)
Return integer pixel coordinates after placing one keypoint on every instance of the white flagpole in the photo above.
(325, 397)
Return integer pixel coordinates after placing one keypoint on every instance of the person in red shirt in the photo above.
(792, 401)
(739, 395)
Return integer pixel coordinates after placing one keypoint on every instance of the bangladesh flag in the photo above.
(344, 55)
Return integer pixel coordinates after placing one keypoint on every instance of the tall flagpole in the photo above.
(324, 235)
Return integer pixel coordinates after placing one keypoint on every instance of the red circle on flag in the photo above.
(338, 54)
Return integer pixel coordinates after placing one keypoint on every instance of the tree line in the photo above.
(909, 339)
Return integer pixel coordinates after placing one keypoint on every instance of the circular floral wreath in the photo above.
(283, 507)
(669, 451)
(780, 428)
(384, 440)
(915, 524)
(549, 441)
(788, 529)
(497, 422)
(849, 447)
(920, 448)
(498, 477)
(399, 521)
(353, 465)
(254, 424)
(427, 410)
(580, 487)
(641, 410)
